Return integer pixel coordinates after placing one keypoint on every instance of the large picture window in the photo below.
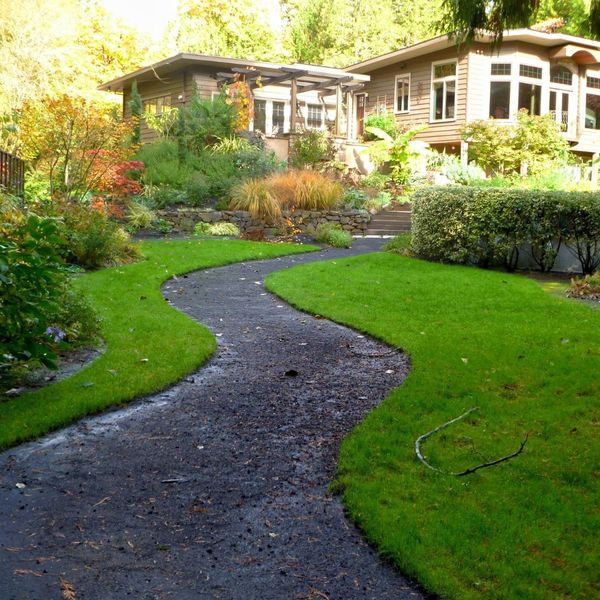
(402, 93)
(530, 89)
(443, 91)
(155, 106)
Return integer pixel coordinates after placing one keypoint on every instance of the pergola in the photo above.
(301, 79)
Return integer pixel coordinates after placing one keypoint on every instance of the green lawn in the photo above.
(149, 344)
(527, 528)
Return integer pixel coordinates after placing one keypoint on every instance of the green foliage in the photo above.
(163, 164)
(32, 284)
(37, 187)
(451, 167)
(221, 228)
(487, 226)
(136, 108)
(164, 124)
(501, 148)
(76, 318)
(333, 235)
(401, 244)
(197, 190)
(354, 198)
(162, 226)
(469, 17)
(92, 240)
(375, 180)
(204, 122)
(311, 148)
(140, 216)
(396, 150)
(220, 171)
(385, 121)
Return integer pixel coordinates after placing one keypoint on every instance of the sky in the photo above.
(149, 16)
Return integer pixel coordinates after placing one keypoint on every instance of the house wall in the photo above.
(381, 91)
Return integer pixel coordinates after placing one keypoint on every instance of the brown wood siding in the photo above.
(381, 90)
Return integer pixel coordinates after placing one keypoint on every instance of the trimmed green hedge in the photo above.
(492, 226)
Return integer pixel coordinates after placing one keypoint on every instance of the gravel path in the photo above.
(216, 488)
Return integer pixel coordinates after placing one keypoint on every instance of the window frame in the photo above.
(398, 77)
(504, 78)
(156, 102)
(444, 80)
(310, 105)
(592, 91)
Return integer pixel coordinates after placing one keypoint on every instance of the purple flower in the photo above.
(56, 334)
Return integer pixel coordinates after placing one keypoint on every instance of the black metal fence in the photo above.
(12, 174)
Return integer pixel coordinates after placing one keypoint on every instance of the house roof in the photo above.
(311, 74)
(442, 42)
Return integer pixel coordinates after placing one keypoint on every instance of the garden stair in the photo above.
(390, 222)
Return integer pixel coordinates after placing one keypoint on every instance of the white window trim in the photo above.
(586, 91)
(503, 78)
(402, 76)
(323, 116)
(432, 119)
(269, 115)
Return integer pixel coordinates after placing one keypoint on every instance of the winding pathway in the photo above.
(216, 488)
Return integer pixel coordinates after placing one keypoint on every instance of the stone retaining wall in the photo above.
(184, 219)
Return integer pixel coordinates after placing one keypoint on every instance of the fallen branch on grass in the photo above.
(470, 470)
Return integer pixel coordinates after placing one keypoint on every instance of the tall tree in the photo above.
(240, 28)
(467, 17)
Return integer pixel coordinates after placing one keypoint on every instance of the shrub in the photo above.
(486, 226)
(162, 226)
(167, 196)
(92, 239)
(254, 195)
(201, 228)
(197, 190)
(163, 165)
(587, 286)
(203, 122)
(399, 244)
(76, 318)
(32, 283)
(385, 121)
(224, 228)
(140, 216)
(375, 180)
(220, 170)
(355, 198)
(334, 235)
(311, 148)
(501, 148)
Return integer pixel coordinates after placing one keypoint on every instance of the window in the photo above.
(278, 117)
(314, 117)
(561, 75)
(592, 103)
(500, 90)
(501, 69)
(260, 115)
(443, 91)
(402, 93)
(529, 71)
(530, 92)
(156, 105)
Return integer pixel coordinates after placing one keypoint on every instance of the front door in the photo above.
(360, 114)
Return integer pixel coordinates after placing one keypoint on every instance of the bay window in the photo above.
(530, 89)
(500, 90)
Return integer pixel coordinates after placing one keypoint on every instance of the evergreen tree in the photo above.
(136, 108)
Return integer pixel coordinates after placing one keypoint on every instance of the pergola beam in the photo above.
(325, 84)
(272, 80)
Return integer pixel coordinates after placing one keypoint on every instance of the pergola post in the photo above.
(293, 106)
(338, 110)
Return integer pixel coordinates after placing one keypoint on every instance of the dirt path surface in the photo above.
(216, 488)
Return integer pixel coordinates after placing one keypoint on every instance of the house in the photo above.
(445, 86)
(434, 82)
(317, 92)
